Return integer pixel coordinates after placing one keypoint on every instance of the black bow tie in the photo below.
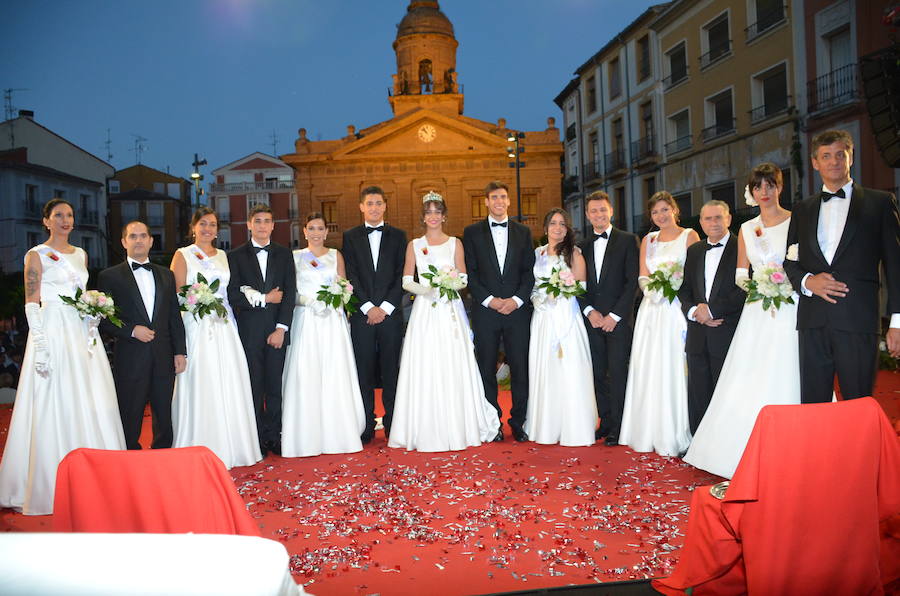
(603, 235)
(370, 229)
(135, 266)
(712, 246)
(499, 224)
(257, 249)
(827, 196)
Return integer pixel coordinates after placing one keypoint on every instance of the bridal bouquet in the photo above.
(667, 279)
(337, 294)
(771, 285)
(199, 299)
(94, 304)
(447, 280)
(561, 283)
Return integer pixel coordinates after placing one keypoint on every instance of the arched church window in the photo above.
(425, 79)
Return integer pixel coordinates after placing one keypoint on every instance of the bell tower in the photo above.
(426, 61)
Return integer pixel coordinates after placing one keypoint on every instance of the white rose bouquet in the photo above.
(338, 294)
(667, 279)
(561, 283)
(771, 285)
(94, 304)
(199, 299)
(447, 280)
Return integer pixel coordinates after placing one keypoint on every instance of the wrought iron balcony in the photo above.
(615, 162)
(766, 22)
(592, 171)
(718, 129)
(834, 89)
(333, 227)
(770, 109)
(643, 149)
(679, 144)
(570, 184)
(233, 187)
(571, 132)
(715, 53)
(675, 78)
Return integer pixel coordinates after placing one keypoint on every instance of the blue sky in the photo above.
(217, 77)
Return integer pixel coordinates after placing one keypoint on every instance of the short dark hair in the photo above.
(52, 204)
(831, 136)
(598, 195)
(259, 208)
(495, 185)
(372, 190)
(316, 215)
(134, 221)
(765, 171)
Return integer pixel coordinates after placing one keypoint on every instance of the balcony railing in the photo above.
(772, 108)
(592, 171)
(570, 184)
(836, 88)
(615, 161)
(333, 227)
(715, 53)
(643, 149)
(571, 132)
(675, 78)
(765, 22)
(679, 144)
(230, 187)
(718, 129)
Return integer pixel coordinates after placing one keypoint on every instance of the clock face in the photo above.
(427, 133)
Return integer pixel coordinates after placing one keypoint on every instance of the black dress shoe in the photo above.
(611, 440)
(367, 436)
(263, 448)
(498, 438)
(275, 447)
(520, 435)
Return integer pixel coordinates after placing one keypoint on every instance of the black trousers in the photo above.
(824, 352)
(152, 380)
(514, 330)
(266, 365)
(704, 369)
(377, 352)
(610, 354)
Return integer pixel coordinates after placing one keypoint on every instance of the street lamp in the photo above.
(514, 153)
(197, 177)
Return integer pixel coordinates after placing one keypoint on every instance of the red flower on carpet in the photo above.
(53, 256)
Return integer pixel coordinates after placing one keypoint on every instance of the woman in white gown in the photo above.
(323, 408)
(66, 397)
(561, 404)
(763, 362)
(655, 417)
(440, 403)
(213, 403)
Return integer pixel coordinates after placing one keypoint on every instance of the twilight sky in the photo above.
(217, 77)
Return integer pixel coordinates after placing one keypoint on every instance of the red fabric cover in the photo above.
(166, 491)
(806, 510)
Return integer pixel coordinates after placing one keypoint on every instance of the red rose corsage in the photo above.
(314, 263)
(53, 256)
(199, 255)
(652, 238)
(425, 250)
(759, 232)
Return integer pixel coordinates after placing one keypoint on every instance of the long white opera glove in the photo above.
(654, 296)
(742, 278)
(253, 297)
(304, 299)
(538, 299)
(418, 289)
(36, 330)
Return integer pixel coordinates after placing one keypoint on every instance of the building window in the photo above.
(31, 239)
(87, 243)
(770, 96)
(592, 168)
(159, 188)
(679, 132)
(763, 15)
(716, 40)
(329, 210)
(615, 160)
(678, 69)
(723, 192)
(224, 238)
(591, 92)
(786, 198)
(839, 84)
(254, 199)
(683, 201)
(529, 204)
(59, 193)
(615, 78)
(129, 211)
(173, 189)
(114, 187)
(649, 187)
(295, 235)
(479, 209)
(32, 205)
(619, 212)
(158, 241)
(223, 208)
(643, 58)
(156, 216)
(719, 115)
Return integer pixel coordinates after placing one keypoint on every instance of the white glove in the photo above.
(36, 331)
(305, 299)
(742, 278)
(419, 289)
(253, 297)
(93, 334)
(465, 280)
(319, 308)
(643, 282)
(538, 299)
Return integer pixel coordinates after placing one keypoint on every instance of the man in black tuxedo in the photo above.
(261, 292)
(836, 242)
(150, 346)
(374, 254)
(500, 264)
(712, 303)
(611, 257)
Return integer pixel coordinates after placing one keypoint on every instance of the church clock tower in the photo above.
(426, 62)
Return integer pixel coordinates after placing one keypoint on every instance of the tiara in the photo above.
(432, 196)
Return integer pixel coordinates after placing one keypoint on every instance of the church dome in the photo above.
(424, 16)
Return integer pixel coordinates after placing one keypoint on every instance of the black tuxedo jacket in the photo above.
(871, 237)
(726, 299)
(369, 284)
(617, 288)
(118, 281)
(483, 267)
(280, 273)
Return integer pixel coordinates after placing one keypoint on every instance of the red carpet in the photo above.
(500, 517)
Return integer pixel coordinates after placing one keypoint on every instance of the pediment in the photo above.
(423, 132)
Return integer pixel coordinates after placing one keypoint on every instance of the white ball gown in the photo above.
(655, 417)
(440, 403)
(561, 404)
(73, 406)
(213, 403)
(762, 366)
(323, 409)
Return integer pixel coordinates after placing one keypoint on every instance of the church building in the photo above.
(428, 145)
